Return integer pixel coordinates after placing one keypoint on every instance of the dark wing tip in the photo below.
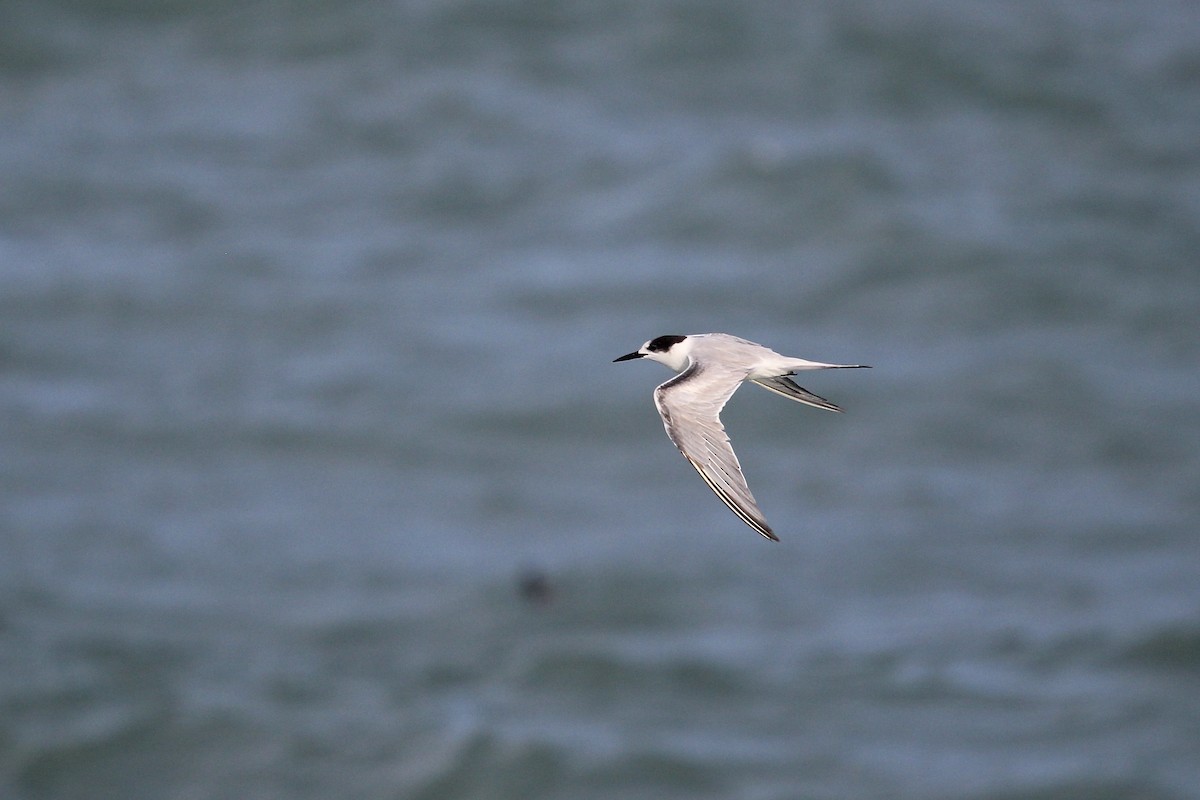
(758, 525)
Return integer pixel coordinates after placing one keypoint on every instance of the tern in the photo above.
(711, 367)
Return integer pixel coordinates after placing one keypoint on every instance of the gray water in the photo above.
(307, 313)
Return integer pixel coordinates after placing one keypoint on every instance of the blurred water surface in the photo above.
(306, 318)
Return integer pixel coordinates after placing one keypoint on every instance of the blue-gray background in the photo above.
(307, 311)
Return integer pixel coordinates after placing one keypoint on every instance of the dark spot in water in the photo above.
(533, 586)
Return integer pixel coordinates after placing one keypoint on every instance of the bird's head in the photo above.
(672, 350)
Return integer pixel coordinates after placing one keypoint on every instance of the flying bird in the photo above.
(711, 367)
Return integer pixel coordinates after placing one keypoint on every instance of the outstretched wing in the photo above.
(783, 385)
(690, 406)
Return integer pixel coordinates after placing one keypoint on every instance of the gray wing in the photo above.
(690, 406)
(785, 386)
